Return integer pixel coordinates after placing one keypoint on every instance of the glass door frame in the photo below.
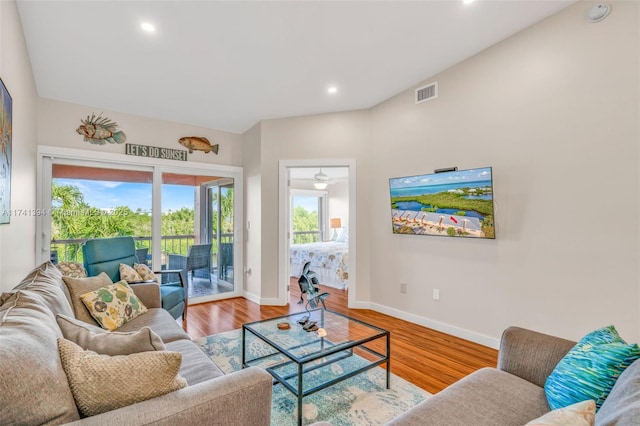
(47, 155)
(205, 225)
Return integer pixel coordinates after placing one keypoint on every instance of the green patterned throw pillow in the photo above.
(113, 305)
(590, 369)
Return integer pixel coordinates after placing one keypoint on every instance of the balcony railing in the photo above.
(71, 250)
(303, 237)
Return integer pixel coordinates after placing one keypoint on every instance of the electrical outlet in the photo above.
(436, 294)
(403, 288)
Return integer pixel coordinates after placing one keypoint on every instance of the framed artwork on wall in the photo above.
(450, 203)
(6, 113)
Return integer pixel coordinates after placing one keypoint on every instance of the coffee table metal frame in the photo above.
(327, 350)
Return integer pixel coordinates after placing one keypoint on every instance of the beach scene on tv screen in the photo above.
(453, 204)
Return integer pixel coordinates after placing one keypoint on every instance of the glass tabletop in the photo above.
(300, 345)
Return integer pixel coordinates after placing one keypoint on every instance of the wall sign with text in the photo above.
(155, 152)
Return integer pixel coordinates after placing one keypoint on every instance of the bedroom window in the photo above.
(308, 216)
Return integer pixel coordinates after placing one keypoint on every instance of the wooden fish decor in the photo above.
(100, 130)
(198, 143)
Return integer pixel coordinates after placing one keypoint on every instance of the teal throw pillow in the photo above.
(590, 369)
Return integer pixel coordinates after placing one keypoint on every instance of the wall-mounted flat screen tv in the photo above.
(450, 204)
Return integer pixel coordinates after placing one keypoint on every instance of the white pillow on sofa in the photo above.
(579, 414)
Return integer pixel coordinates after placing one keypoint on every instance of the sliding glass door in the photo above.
(219, 200)
(169, 211)
(197, 221)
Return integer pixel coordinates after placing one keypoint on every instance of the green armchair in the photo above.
(106, 255)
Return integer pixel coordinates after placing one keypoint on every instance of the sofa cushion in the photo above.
(113, 305)
(98, 340)
(103, 383)
(161, 322)
(33, 387)
(590, 369)
(196, 365)
(580, 414)
(79, 286)
(622, 406)
(46, 280)
(487, 397)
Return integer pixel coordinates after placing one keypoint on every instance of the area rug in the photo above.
(359, 400)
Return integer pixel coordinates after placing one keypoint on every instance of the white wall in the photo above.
(555, 111)
(17, 239)
(58, 121)
(253, 213)
(339, 203)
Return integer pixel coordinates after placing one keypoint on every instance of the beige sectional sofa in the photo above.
(34, 388)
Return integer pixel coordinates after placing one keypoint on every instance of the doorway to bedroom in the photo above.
(317, 209)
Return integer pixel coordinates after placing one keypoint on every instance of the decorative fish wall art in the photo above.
(100, 130)
(198, 143)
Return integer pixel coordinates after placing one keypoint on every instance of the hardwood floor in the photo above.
(429, 359)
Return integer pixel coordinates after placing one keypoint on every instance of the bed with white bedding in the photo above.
(329, 260)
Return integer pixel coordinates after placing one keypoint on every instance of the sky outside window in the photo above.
(310, 203)
(109, 194)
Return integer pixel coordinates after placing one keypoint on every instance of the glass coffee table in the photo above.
(302, 361)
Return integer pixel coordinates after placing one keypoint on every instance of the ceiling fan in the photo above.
(321, 180)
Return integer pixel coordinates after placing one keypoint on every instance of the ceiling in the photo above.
(229, 64)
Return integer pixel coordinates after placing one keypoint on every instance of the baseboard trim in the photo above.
(437, 325)
(413, 318)
(359, 305)
(272, 301)
(251, 297)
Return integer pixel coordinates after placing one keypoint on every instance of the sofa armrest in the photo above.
(531, 355)
(239, 398)
(148, 293)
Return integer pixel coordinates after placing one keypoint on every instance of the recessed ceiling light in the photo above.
(332, 90)
(468, 1)
(148, 27)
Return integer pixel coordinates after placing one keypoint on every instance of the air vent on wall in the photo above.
(426, 93)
